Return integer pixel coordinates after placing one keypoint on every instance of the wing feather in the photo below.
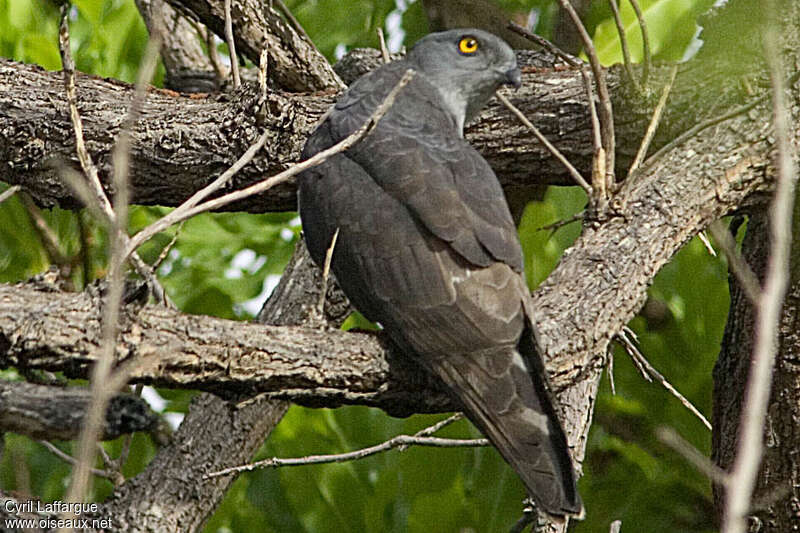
(427, 247)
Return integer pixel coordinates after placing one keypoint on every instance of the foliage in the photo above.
(218, 265)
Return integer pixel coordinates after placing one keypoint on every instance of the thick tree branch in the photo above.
(295, 63)
(50, 412)
(62, 331)
(596, 289)
(181, 142)
(188, 68)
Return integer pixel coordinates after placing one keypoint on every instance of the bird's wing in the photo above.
(442, 180)
(427, 248)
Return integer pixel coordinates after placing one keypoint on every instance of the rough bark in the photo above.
(600, 282)
(777, 495)
(170, 494)
(51, 412)
(188, 67)
(181, 143)
(62, 332)
(598, 286)
(295, 63)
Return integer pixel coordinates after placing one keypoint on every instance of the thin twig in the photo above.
(655, 120)
(46, 234)
(610, 373)
(542, 139)
(213, 56)
(599, 182)
(623, 39)
(93, 196)
(175, 216)
(395, 442)
(671, 438)
(168, 247)
(101, 389)
(237, 81)
(126, 443)
(384, 51)
(296, 26)
(704, 239)
(558, 224)
(694, 130)
(430, 430)
(263, 65)
(544, 43)
(606, 109)
(89, 169)
(350, 140)
(326, 270)
(642, 362)
(8, 193)
(71, 460)
(101, 450)
(648, 59)
(747, 279)
(80, 188)
(749, 449)
(597, 143)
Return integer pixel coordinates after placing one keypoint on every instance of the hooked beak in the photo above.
(513, 77)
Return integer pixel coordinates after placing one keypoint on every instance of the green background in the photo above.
(220, 262)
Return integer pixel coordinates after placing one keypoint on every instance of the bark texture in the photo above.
(50, 412)
(295, 63)
(181, 143)
(777, 495)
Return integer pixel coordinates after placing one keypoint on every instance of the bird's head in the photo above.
(467, 66)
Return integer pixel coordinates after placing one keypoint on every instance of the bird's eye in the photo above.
(468, 45)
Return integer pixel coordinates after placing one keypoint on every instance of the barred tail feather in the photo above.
(502, 398)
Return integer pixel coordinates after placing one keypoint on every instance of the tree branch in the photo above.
(295, 63)
(49, 412)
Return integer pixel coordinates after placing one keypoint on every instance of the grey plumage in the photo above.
(427, 246)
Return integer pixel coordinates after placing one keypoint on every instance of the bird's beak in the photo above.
(514, 77)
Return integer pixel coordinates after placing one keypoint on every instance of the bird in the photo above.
(426, 246)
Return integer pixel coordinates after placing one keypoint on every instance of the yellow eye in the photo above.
(468, 45)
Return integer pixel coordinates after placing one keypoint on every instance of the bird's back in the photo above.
(427, 247)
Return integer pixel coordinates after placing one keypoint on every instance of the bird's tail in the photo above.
(511, 404)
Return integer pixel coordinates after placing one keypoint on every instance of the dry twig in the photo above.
(623, 40)
(92, 194)
(749, 449)
(747, 279)
(237, 80)
(384, 51)
(400, 441)
(648, 59)
(213, 55)
(654, 122)
(544, 43)
(191, 207)
(71, 460)
(649, 370)
(8, 193)
(606, 110)
(542, 139)
(597, 142)
(101, 388)
(702, 463)
(326, 270)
